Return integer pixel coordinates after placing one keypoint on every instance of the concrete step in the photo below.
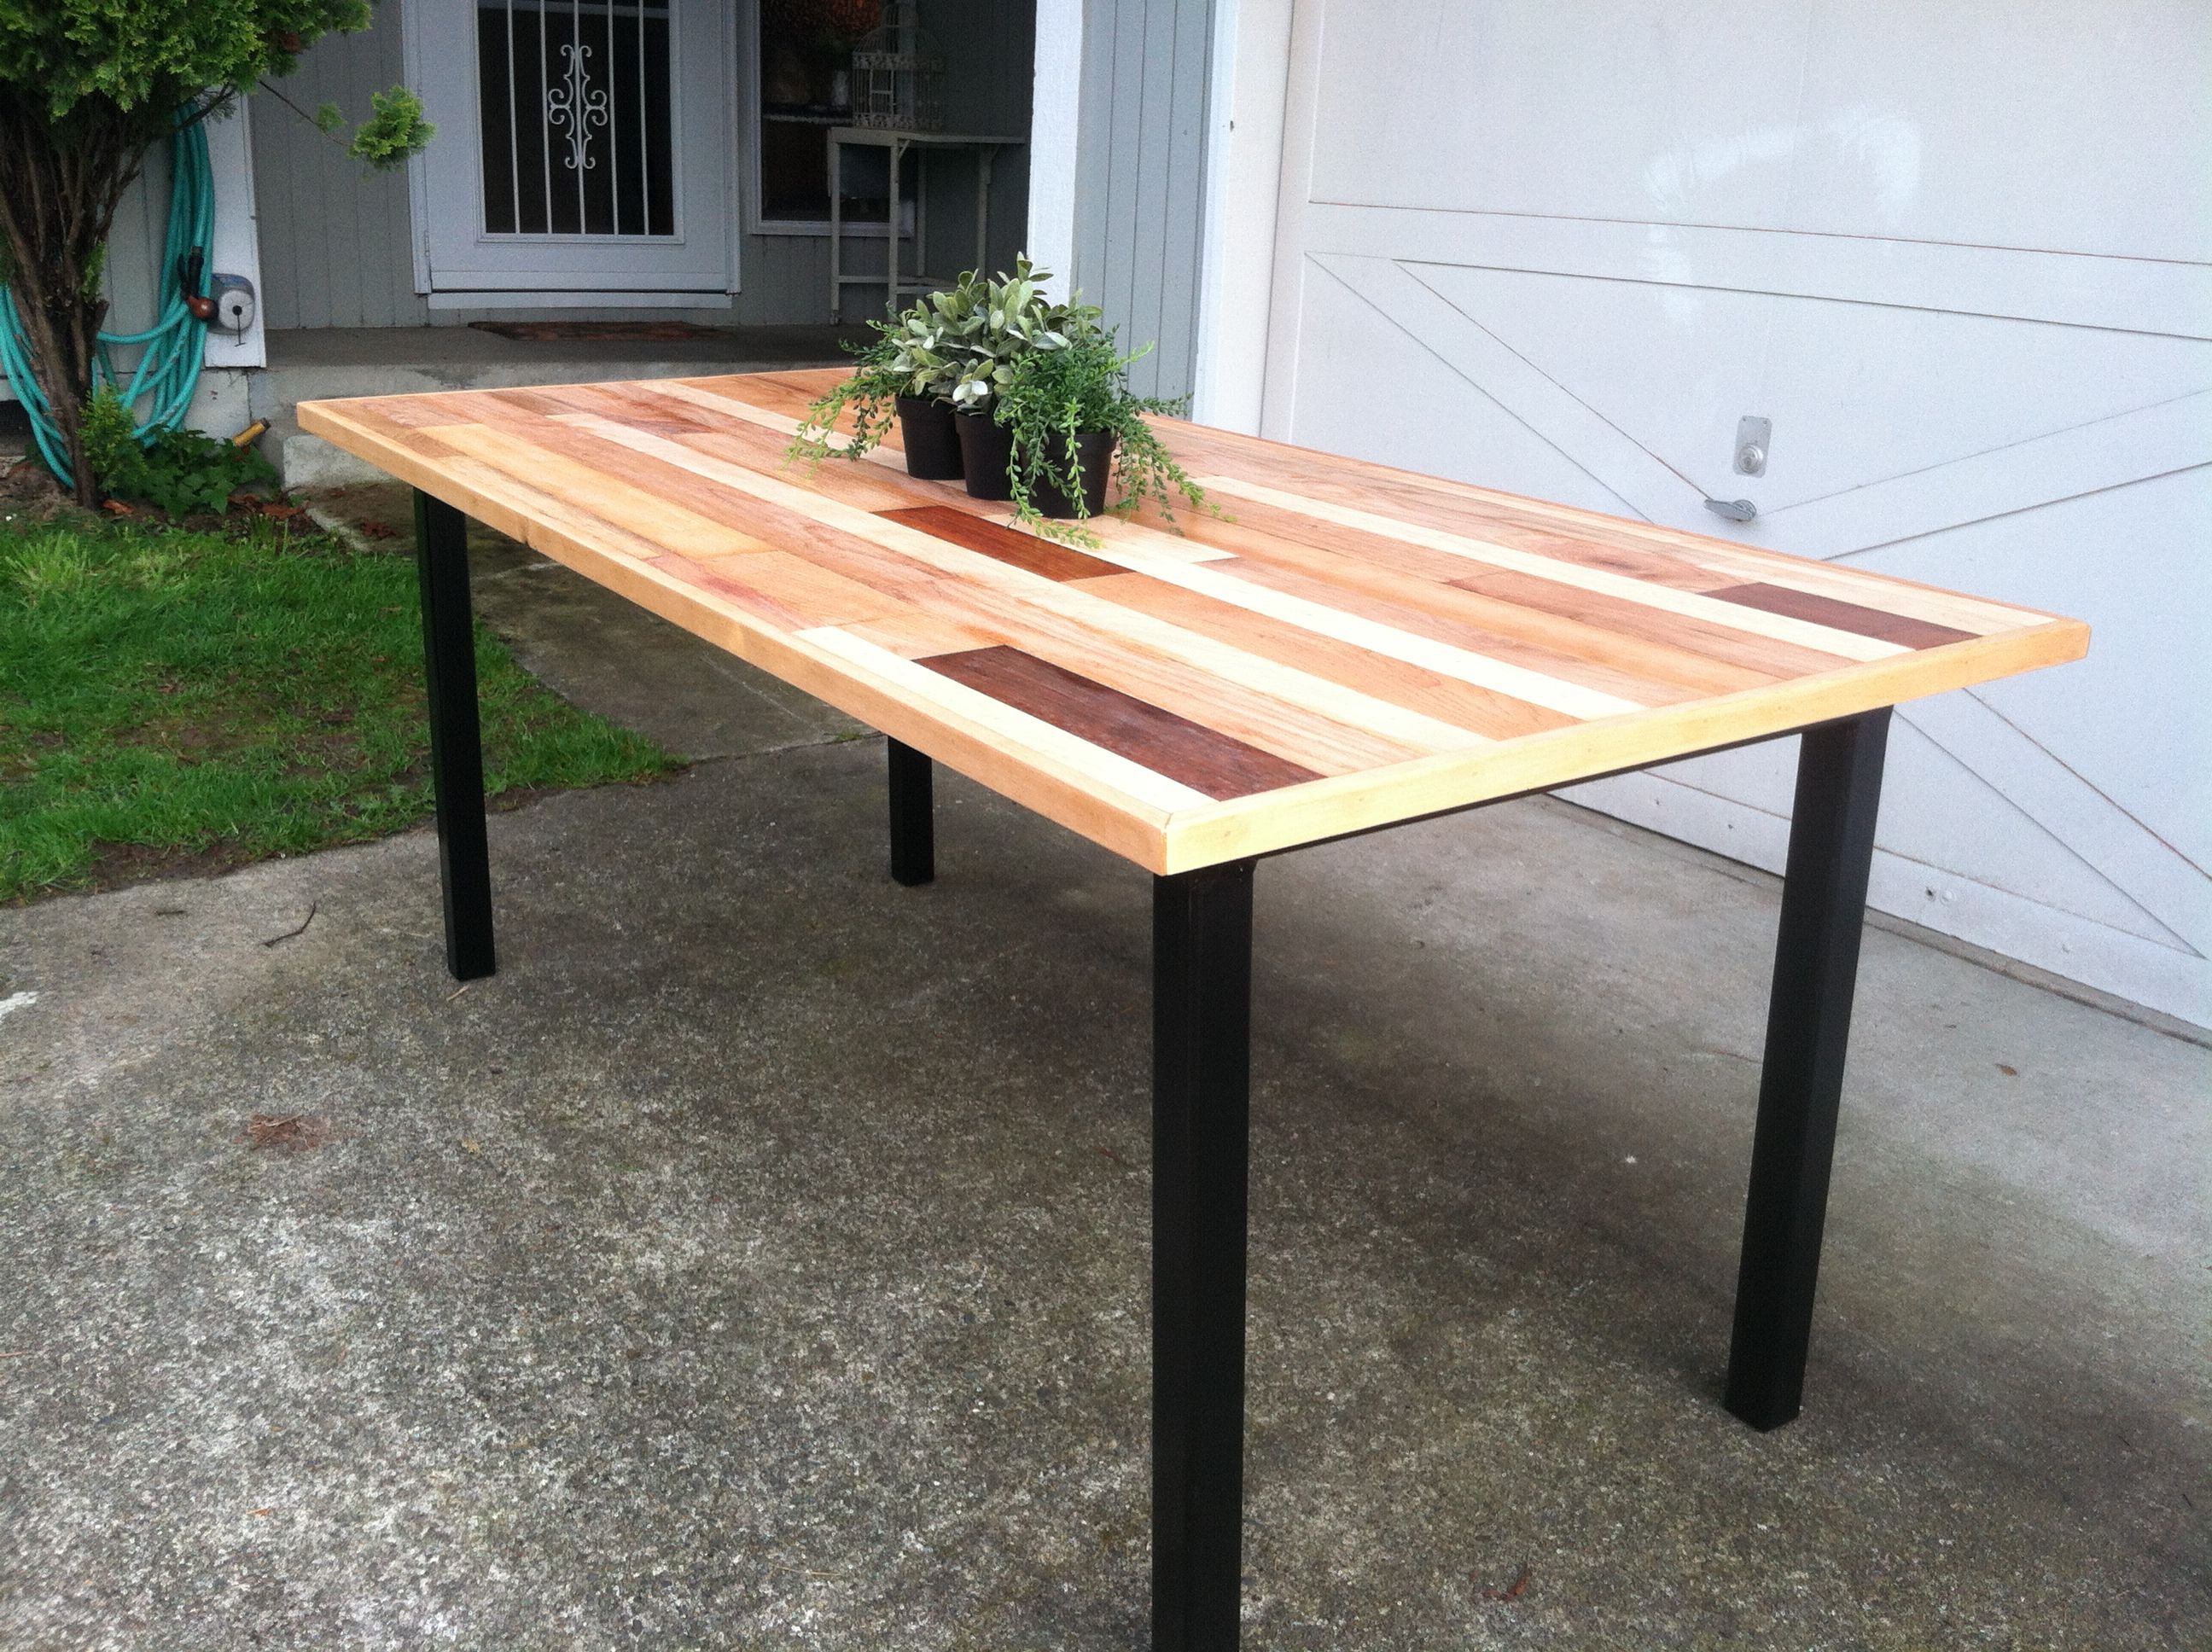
(306, 461)
(325, 365)
(282, 386)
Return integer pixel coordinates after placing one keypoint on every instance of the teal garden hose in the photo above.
(168, 367)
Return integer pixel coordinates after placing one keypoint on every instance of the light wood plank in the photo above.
(1806, 634)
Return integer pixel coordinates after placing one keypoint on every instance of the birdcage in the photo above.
(895, 73)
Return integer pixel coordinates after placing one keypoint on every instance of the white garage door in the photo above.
(1956, 252)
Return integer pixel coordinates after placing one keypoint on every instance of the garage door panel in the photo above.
(2133, 719)
(1396, 401)
(1630, 477)
(1964, 825)
(1962, 822)
(1858, 393)
(1666, 366)
(1549, 108)
(2160, 976)
(1552, 252)
(1834, 118)
(2170, 299)
(2062, 128)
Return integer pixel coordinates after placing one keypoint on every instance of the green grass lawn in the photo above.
(180, 700)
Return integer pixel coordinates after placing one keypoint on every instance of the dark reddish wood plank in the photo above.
(1202, 758)
(998, 541)
(1900, 629)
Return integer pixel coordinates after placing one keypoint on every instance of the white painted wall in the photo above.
(1960, 252)
(237, 240)
(1055, 111)
(1244, 159)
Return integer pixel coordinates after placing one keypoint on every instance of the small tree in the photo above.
(86, 89)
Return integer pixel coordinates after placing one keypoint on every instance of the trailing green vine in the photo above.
(1050, 397)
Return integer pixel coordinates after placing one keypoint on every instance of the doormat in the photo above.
(549, 332)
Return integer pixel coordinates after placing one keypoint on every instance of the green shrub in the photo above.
(175, 469)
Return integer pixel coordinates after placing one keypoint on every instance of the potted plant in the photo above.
(1014, 320)
(908, 371)
(1026, 398)
(1072, 427)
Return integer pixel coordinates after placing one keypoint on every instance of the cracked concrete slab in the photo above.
(759, 1258)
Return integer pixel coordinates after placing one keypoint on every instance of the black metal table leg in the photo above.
(1202, 1037)
(914, 830)
(441, 562)
(1809, 1023)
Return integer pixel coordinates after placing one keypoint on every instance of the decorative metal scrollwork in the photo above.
(573, 103)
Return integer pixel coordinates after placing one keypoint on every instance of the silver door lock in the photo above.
(1751, 437)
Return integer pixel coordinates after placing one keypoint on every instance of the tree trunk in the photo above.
(59, 186)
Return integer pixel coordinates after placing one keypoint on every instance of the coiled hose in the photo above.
(168, 370)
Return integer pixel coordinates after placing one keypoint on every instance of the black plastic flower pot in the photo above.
(933, 446)
(986, 449)
(1094, 469)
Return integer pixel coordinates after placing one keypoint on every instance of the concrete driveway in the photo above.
(759, 1258)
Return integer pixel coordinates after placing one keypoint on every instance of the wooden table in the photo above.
(1349, 648)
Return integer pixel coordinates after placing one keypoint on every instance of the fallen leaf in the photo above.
(278, 511)
(470, 1144)
(1512, 1591)
(117, 506)
(2009, 1072)
(295, 1134)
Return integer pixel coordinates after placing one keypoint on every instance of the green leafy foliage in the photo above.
(394, 130)
(956, 346)
(169, 695)
(159, 54)
(868, 398)
(1015, 319)
(111, 442)
(87, 87)
(1050, 397)
(177, 470)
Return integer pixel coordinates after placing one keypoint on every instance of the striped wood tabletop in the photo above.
(1345, 647)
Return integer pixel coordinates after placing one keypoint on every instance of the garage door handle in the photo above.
(1736, 510)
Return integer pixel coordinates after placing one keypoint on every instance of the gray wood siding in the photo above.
(1140, 171)
(135, 245)
(336, 246)
(337, 240)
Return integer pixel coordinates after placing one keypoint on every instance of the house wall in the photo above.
(336, 238)
(337, 246)
(1140, 170)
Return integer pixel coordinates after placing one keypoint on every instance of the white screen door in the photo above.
(582, 145)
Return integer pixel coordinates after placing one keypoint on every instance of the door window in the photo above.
(805, 58)
(576, 106)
